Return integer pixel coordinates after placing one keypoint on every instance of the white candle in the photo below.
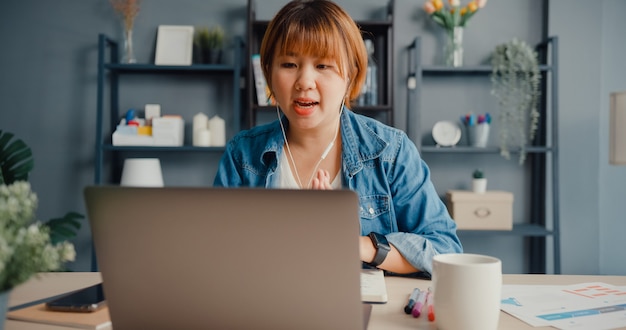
(217, 126)
(202, 138)
(200, 122)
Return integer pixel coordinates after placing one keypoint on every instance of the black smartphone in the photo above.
(86, 300)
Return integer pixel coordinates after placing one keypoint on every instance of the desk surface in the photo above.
(384, 316)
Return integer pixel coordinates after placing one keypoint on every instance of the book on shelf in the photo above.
(98, 320)
(262, 90)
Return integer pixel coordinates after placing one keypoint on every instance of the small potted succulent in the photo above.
(479, 182)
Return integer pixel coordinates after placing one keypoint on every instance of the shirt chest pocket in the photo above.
(373, 206)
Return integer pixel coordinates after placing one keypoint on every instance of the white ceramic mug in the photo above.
(467, 291)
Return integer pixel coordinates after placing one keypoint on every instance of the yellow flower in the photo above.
(472, 6)
(438, 4)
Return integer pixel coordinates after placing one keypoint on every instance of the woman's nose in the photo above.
(306, 79)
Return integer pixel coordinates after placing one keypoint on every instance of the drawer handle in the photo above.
(482, 212)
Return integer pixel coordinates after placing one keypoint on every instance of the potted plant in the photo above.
(479, 182)
(209, 42)
(515, 82)
(27, 246)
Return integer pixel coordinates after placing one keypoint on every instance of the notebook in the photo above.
(373, 286)
(199, 258)
(98, 320)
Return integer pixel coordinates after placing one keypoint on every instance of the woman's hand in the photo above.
(321, 180)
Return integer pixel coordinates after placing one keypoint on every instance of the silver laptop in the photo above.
(218, 258)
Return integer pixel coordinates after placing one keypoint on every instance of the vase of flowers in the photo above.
(128, 10)
(515, 80)
(453, 19)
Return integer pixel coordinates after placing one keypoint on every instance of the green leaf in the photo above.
(466, 17)
(438, 20)
(64, 228)
(16, 159)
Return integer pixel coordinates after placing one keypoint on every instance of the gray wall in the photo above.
(48, 94)
(592, 66)
(612, 179)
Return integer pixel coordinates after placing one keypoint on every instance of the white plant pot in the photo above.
(479, 185)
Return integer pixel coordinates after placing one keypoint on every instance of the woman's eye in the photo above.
(324, 66)
(288, 65)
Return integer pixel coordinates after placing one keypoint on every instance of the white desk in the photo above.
(384, 316)
(391, 315)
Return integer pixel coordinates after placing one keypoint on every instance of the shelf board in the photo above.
(109, 147)
(488, 150)
(119, 67)
(524, 230)
(477, 69)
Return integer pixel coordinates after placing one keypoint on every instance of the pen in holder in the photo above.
(477, 129)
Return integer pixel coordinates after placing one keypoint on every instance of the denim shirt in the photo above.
(397, 198)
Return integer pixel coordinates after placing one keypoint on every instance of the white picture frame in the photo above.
(174, 45)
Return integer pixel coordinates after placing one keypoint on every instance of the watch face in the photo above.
(446, 133)
(380, 241)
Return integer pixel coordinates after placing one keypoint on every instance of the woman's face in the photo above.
(310, 90)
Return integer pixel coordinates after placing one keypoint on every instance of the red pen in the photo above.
(429, 306)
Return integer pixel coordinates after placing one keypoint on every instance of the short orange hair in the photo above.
(318, 28)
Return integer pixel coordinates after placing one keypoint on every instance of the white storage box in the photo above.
(168, 131)
(492, 210)
(121, 139)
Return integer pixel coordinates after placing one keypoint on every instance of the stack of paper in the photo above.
(580, 306)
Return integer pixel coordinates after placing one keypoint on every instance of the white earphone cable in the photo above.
(324, 154)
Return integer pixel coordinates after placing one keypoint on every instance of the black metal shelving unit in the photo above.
(109, 72)
(543, 221)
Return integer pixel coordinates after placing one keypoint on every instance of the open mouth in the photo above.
(306, 104)
(304, 108)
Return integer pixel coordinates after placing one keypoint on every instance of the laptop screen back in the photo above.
(198, 258)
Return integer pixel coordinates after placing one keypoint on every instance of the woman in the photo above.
(314, 60)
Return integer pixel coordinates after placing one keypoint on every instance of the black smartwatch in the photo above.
(382, 248)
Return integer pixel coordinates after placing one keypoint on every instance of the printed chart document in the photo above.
(373, 287)
(580, 306)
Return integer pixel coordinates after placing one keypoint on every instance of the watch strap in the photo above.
(382, 248)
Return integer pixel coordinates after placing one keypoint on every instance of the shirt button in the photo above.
(371, 210)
